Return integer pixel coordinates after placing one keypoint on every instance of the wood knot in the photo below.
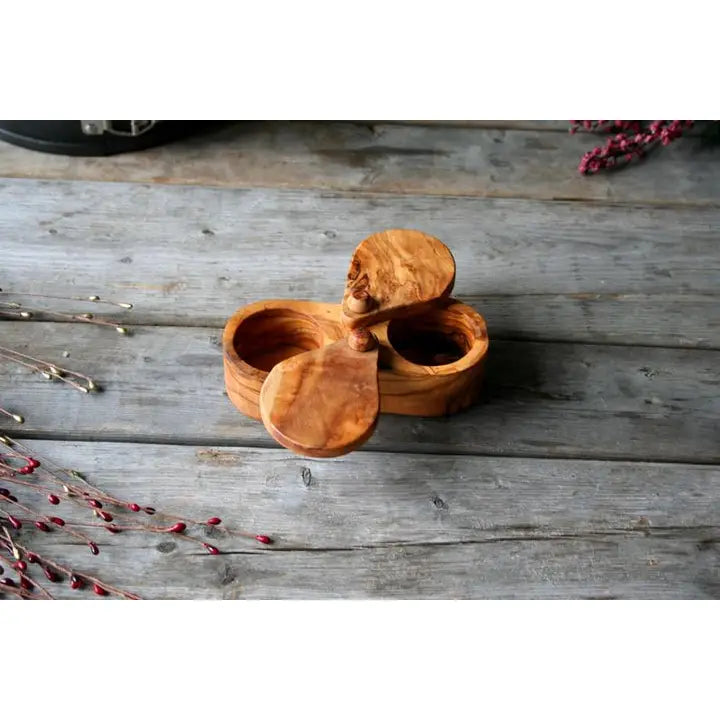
(359, 301)
(361, 340)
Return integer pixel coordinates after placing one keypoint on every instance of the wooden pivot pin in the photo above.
(359, 301)
(319, 374)
(361, 340)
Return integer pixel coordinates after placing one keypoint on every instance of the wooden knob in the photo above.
(361, 340)
(359, 301)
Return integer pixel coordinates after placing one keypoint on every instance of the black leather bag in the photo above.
(94, 137)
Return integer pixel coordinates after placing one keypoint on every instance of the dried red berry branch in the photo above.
(21, 468)
(45, 523)
(95, 497)
(631, 140)
(27, 583)
(77, 580)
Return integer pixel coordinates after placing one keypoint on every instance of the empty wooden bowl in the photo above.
(319, 374)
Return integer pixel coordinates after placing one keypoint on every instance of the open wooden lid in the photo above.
(396, 273)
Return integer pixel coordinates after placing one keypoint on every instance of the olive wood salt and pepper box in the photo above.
(319, 374)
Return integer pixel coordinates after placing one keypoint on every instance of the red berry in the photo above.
(41, 526)
(264, 539)
(99, 590)
(53, 499)
(75, 582)
(94, 503)
(25, 470)
(214, 521)
(20, 566)
(106, 516)
(14, 522)
(33, 463)
(4, 492)
(33, 558)
(134, 507)
(50, 575)
(8, 581)
(112, 529)
(178, 527)
(25, 584)
(149, 510)
(57, 520)
(211, 549)
(94, 549)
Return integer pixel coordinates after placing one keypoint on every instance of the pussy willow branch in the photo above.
(87, 298)
(17, 418)
(50, 371)
(25, 313)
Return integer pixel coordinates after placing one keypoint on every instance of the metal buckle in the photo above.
(134, 127)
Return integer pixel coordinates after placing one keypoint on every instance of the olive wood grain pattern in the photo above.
(429, 365)
(432, 364)
(262, 334)
(323, 403)
(396, 273)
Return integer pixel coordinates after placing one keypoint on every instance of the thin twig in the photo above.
(25, 312)
(89, 298)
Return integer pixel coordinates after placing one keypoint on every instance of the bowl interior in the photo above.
(438, 337)
(270, 336)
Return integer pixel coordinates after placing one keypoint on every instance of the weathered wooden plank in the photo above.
(682, 320)
(378, 525)
(556, 399)
(538, 125)
(392, 158)
(595, 568)
(536, 270)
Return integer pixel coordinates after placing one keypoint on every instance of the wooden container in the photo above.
(319, 374)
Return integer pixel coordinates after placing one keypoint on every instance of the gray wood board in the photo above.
(536, 270)
(165, 384)
(379, 525)
(539, 125)
(392, 158)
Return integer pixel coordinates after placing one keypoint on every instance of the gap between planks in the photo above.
(197, 323)
(375, 447)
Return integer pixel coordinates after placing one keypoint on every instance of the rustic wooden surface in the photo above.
(374, 525)
(397, 159)
(535, 270)
(589, 470)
